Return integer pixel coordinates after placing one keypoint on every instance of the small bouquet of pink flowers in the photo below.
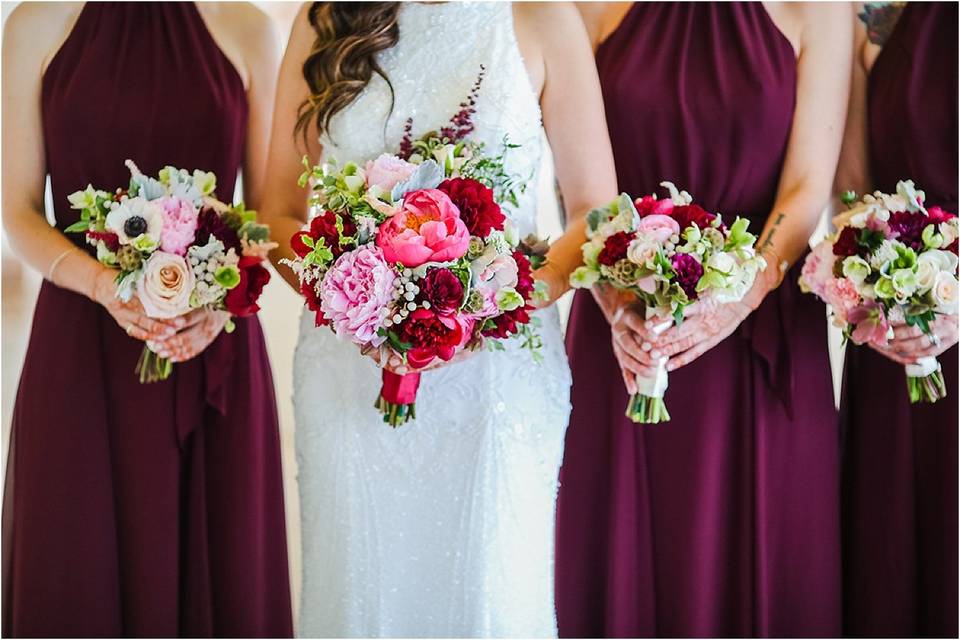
(670, 253)
(176, 248)
(411, 256)
(892, 260)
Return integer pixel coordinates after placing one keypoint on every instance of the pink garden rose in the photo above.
(166, 284)
(427, 228)
(355, 292)
(387, 170)
(658, 227)
(179, 225)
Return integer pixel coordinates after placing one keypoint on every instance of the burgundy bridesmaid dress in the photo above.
(900, 460)
(129, 509)
(725, 520)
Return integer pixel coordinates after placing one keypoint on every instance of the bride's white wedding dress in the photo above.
(445, 525)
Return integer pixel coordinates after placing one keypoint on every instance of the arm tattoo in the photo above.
(768, 241)
(880, 19)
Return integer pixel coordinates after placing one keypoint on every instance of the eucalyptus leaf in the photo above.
(426, 176)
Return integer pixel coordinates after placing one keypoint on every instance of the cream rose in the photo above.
(166, 284)
(945, 293)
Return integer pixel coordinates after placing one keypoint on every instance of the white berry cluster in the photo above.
(405, 290)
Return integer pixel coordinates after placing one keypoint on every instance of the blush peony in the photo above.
(179, 225)
(355, 294)
(427, 228)
(387, 170)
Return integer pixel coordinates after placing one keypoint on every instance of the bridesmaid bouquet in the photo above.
(176, 248)
(669, 253)
(891, 260)
(411, 256)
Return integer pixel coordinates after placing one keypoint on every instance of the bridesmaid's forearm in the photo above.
(282, 228)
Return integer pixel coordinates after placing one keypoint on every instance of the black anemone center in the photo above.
(134, 226)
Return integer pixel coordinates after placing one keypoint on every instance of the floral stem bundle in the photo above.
(669, 253)
(892, 260)
(176, 248)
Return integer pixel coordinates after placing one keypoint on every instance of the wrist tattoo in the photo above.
(880, 18)
(768, 240)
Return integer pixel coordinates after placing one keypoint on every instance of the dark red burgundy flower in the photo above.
(509, 322)
(689, 271)
(444, 290)
(688, 214)
(241, 301)
(615, 248)
(846, 243)
(209, 223)
(108, 238)
(324, 226)
(478, 210)
(431, 336)
(908, 228)
(309, 292)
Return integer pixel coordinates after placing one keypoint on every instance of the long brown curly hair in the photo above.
(344, 56)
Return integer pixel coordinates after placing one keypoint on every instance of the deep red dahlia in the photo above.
(688, 214)
(209, 223)
(689, 271)
(241, 301)
(908, 228)
(443, 289)
(324, 226)
(478, 210)
(846, 243)
(615, 248)
(431, 336)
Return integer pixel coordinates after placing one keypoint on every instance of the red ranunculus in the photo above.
(443, 289)
(688, 214)
(324, 226)
(241, 301)
(846, 243)
(649, 205)
(431, 336)
(478, 210)
(615, 248)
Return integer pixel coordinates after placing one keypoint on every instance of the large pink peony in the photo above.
(427, 228)
(179, 225)
(354, 293)
(387, 170)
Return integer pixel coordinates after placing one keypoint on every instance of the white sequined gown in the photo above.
(444, 526)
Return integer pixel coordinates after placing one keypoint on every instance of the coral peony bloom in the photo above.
(387, 170)
(179, 225)
(355, 292)
(166, 284)
(427, 228)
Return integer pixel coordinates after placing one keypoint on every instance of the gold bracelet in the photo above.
(56, 263)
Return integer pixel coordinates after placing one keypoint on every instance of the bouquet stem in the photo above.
(398, 395)
(647, 410)
(925, 381)
(153, 368)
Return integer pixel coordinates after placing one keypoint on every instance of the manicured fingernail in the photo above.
(648, 323)
(646, 346)
(655, 353)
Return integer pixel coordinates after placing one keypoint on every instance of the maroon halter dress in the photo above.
(900, 460)
(129, 509)
(725, 520)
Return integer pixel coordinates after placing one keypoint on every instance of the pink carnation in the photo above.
(179, 225)
(818, 268)
(387, 170)
(427, 228)
(841, 294)
(355, 292)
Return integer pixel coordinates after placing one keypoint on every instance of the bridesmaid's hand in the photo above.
(633, 344)
(200, 328)
(129, 315)
(909, 344)
(557, 284)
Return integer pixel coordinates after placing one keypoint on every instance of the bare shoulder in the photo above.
(243, 22)
(548, 25)
(35, 30)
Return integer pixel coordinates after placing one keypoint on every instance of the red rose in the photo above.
(846, 243)
(324, 226)
(689, 214)
(443, 290)
(241, 301)
(431, 336)
(615, 248)
(478, 210)
(309, 292)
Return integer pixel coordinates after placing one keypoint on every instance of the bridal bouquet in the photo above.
(411, 256)
(891, 260)
(176, 248)
(669, 253)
